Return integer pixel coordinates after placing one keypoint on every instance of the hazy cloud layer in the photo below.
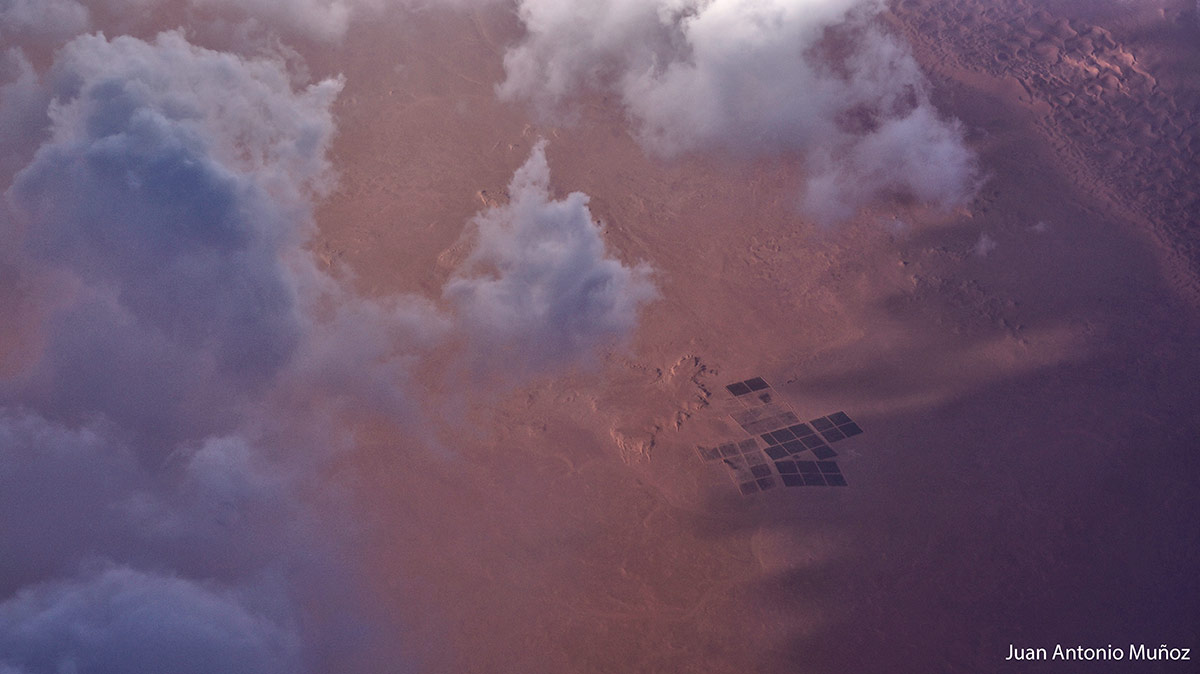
(122, 620)
(23, 106)
(162, 442)
(219, 523)
(540, 289)
(159, 228)
(319, 19)
(43, 18)
(173, 181)
(358, 351)
(919, 155)
(813, 77)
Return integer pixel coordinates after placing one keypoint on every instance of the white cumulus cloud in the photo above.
(541, 289)
(817, 78)
(43, 18)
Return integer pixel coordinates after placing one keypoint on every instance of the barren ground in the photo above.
(1028, 473)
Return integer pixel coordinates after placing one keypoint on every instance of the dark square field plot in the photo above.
(814, 480)
(851, 429)
(777, 452)
(822, 424)
(756, 384)
(807, 467)
(825, 452)
(801, 430)
(738, 389)
(794, 447)
(783, 435)
(839, 418)
(833, 435)
(812, 441)
(778, 436)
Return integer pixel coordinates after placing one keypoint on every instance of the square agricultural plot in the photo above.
(813, 441)
(794, 446)
(760, 471)
(748, 445)
(807, 467)
(839, 418)
(801, 430)
(769, 438)
(835, 480)
(743, 417)
(783, 435)
(738, 389)
(792, 480)
(774, 409)
(754, 427)
(822, 424)
(766, 483)
(824, 452)
(850, 430)
(741, 474)
(814, 480)
(765, 398)
(828, 467)
(833, 435)
(781, 423)
(748, 488)
(755, 459)
(749, 402)
(756, 384)
(777, 452)
(759, 420)
(708, 453)
(788, 418)
(728, 449)
(760, 427)
(785, 467)
(778, 421)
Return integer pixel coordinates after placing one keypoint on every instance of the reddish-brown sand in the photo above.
(1029, 469)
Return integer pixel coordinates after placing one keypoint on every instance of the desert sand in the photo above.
(1023, 368)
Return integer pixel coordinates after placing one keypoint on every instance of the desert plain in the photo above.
(1021, 361)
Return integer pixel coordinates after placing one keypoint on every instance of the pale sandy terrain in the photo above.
(1028, 473)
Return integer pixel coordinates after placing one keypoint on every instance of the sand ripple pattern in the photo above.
(1127, 133)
